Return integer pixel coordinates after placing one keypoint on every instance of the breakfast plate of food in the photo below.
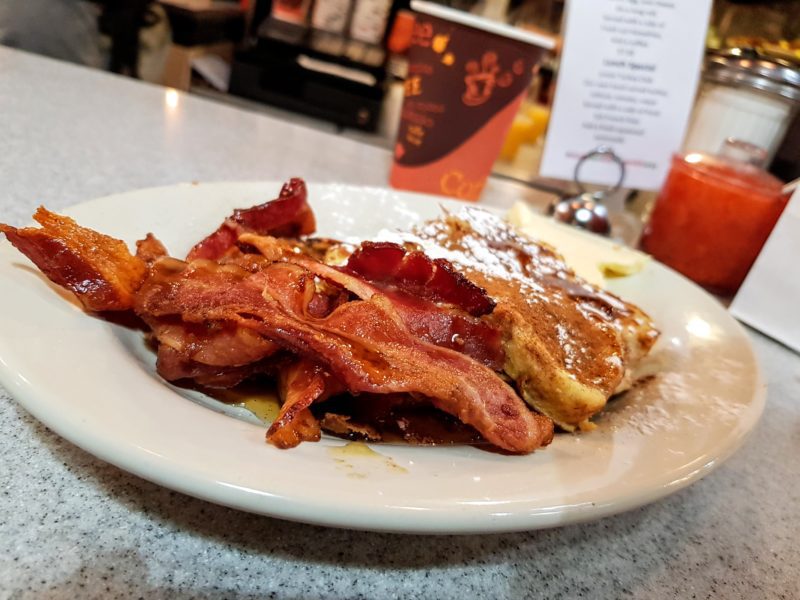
(367, 358)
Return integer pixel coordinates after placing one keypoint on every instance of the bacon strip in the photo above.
(214, 343)
(369, 349)
(218, 321)
(451, 328)
(414, 272)
(175, 366)
(213, 353)
(99, 269)
(150, 249)
(445, 327)
(289, 215)
(363, 343)
(300, 384)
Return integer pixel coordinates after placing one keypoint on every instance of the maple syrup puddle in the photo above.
(354, 454)
(263, 403)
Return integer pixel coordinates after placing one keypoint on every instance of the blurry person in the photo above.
(75, 30)
(62, 29)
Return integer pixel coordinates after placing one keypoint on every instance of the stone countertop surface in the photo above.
(72, 526)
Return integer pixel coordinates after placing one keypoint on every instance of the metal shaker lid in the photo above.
(747, 68)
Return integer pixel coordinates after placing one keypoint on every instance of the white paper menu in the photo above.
(627, 79)
(769, 298)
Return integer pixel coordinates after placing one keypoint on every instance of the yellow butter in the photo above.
(591, 258)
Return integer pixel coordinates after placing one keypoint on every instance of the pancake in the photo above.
(569, 345)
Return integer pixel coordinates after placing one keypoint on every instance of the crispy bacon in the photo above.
(363, 343)
(99, 269)
(175, 366)
(213, 343)
(442, 326)
(344, 426)
(451, 328)
(301, 383)
(414, 272)
(367, 346)
(173, 282)
(446, 326)
(213, 353)
(391, 323)
(289, 215)
(388, 417)
(150, 249)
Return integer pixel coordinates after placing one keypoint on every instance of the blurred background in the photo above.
(339, 65)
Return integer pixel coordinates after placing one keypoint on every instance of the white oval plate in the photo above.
(94, 383)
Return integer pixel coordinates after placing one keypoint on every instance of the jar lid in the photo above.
(745, 67)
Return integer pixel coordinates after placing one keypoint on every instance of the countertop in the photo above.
(72, 526)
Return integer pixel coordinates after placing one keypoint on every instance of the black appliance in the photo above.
(310, 72)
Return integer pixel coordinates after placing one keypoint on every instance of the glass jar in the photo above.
(712, 217)
(744, 95)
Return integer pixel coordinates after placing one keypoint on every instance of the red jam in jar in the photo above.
(711, 219)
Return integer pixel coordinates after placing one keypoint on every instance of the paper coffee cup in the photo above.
(466, 79)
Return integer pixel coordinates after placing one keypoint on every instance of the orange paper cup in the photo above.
(466, 79)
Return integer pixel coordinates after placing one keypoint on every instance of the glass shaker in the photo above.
(744, 95)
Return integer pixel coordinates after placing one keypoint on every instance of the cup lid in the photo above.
(464, 18)
(746, 67)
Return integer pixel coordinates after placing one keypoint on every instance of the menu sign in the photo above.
(627, 80)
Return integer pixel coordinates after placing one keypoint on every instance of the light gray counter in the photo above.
(72, 526)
